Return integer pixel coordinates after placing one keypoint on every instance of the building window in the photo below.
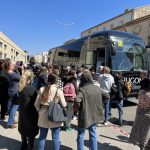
(5, 47)
(17, 53)
(11, 50)
(11, 58)
(121, 22)
(1, 55)
(50, 52)
(1, 44)
(89, 31)
(104, 28)
(61, 54)
(5, 56)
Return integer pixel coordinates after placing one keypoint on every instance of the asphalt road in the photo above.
(111, 137)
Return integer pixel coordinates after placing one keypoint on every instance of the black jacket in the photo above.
(117, 90)
(42, 80)
(28, 116)
(3, 89)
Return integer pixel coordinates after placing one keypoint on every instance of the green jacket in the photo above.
(89, 102)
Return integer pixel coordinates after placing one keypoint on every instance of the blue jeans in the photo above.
(92, 138)
(12, 112)
(107, 109)
(119, 104)
(69, 113)
(55, 138)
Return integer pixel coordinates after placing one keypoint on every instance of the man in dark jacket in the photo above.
(89, 103)
(117, 96)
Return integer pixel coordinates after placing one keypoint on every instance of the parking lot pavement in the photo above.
(109, 137)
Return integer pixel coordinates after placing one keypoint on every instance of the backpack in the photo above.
(127, 87)
(69, 92)
(114, 89)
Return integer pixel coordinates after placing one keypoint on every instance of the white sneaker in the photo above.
(75, 118)
(105, 123)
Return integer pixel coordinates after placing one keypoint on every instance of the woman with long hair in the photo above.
(140, 133)
(28, 116)
(45, 95)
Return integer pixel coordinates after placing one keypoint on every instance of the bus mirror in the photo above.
(147, 46)
(113, 50)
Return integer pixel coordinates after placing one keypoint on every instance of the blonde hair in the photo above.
(43, 70)
(27, 75)
(106, 70)
(45, 94)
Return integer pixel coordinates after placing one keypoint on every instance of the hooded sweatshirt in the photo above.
(106, 81)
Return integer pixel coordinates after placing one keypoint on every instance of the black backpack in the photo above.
(114, 89)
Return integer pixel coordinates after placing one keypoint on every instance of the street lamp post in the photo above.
(65, 25)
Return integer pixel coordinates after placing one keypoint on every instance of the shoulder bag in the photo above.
(55, 111)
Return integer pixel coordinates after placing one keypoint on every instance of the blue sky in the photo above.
(31, 24)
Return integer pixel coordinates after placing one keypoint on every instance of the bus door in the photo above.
(101, 59)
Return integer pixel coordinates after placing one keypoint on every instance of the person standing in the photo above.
(59, 82)
(13, 79)
(3, 91)
(70, 91)
(140, 133)
(117, 96)
(89, 104)
(28, 116)
(94, 76)
(143, 75)
(45, 95)
(106, 80)
(42, 78)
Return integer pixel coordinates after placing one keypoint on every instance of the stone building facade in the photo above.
(140, 27)
(8, 49)
(128, 17)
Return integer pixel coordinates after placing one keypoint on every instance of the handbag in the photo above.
(55, 111)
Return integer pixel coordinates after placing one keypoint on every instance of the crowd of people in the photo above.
(82, 93)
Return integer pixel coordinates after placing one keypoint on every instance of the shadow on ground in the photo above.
(104, 146)
(48, 145)
(12, 144)
(120, 138)
(9, 144)
(125, 122)
(3, 124)
(126, 103)
(129, 103)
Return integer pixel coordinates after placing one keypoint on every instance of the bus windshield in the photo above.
(130, 56)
